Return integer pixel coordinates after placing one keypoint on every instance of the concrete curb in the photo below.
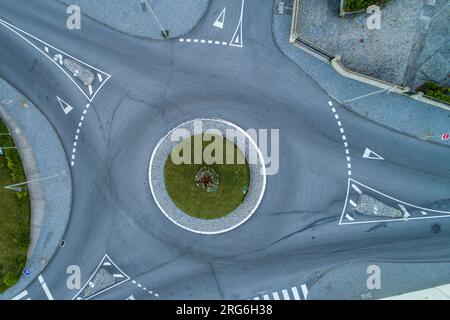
(33, 134)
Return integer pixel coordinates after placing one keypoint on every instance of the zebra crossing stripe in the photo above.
(295, 293)
(285, 294)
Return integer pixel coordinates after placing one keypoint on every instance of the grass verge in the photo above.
(14, 214)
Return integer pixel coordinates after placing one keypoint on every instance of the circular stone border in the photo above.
(235, 218)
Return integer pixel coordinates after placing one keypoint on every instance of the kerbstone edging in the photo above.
(232, 220)
(36, 135)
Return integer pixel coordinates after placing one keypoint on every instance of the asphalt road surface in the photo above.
(298, 237)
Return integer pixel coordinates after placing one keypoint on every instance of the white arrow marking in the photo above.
(64, 105)
(369, 154)
(220, 19)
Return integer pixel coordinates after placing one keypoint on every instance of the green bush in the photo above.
(436, 91)
(358, 5)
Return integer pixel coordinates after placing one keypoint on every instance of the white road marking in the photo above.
(64, 105)
(275, 296)
(104, 259)
(439, 213)
(181, 39)
(285, 294)
(424, 213)
(295, 293)
(23, 34)
(304, 291)
(236, 40)
(266, 297)
(202, 41)
(45, 288)
(330, 103)
(349, 217)
(353, 203)
(100, 77)
(355, 187)
(369, 154)
(220, 19)
(20, 295)
(405, 212)
(195, 40)
(107, 263)
(118, 275)
(90, 90)
(256, 298)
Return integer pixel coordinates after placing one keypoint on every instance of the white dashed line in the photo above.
(343, 137)
(139, 285)
(75, 143)
(202, 41)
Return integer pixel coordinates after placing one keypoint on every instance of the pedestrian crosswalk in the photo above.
(292, 293)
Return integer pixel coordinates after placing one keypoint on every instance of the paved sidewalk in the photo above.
(44, 158)
(395, 111)
(412, 45)
(179, 17)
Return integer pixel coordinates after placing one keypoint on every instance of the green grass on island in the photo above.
(14, 215)
(193, 199)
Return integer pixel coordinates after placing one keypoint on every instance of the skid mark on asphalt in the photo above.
(343, 137)
(292, 293)
(77, 135)
(410, 211)
(57, 56)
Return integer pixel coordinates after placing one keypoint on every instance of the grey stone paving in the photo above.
(412, 41)
(50, 159)
(395, 111)
(179, 17)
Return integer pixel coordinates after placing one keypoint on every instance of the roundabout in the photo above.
(207, 176)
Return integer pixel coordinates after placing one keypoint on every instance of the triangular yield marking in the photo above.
(106, 269)
(57, 57)
(236, 40)
(220, 19)
(64, 105)
(410, 211)
(369, 154)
